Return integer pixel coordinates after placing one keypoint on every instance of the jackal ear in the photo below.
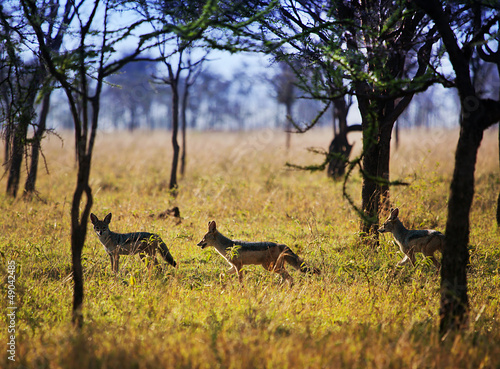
(107, 219)
(212, 226)
(93, 218)
(394, 213)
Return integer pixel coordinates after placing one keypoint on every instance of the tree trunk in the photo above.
(175, 145)
(78, 234)
(84, 146)
(29, 186)
(370, 192)
(8, 133)
(17, 153)
(454, 299)
(383, 163)
(340, 148)
(334, 121)
(185, 97)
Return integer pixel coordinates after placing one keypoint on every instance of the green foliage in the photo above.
(361, 312)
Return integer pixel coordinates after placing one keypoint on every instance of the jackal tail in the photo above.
(295, 261)
(165, 253)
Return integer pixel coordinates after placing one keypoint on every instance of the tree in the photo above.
(81, 73)
(179, 106)
(28, 79)
(23, 79)
(363, 49)
(477, 114)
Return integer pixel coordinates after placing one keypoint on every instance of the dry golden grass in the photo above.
(357, 314)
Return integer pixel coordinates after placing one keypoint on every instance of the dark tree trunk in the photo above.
(84, 145)
(175, 145)
(383, 163)
(338, 151)
(377, 134)
(17, 153)
(370, 192)
(476, 116)
(29, 186)
(185, 97)
(454, 299)
(8, 139)
(334, 120)
(78, 234)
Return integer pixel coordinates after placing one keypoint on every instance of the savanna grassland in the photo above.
(359, 313)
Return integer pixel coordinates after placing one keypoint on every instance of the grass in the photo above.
(360, 313)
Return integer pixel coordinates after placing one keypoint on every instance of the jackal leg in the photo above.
(434, 245)
(231, 270)
(436, 263)
(114, 257)
(403, 261)
(285, 276)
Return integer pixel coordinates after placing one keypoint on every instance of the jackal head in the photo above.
(209, 239)
(388, 225)
(100, 226)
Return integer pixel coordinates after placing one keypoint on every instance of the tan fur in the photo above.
(270, 255)
(411, 241)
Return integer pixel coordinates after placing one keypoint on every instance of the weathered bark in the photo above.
(29, 186)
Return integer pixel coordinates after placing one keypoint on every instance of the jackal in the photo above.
(117, 244)
(270, 255)
(425, 241)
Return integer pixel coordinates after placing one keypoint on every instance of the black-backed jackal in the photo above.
(411, 241)
(117, 244)
(270, 255)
